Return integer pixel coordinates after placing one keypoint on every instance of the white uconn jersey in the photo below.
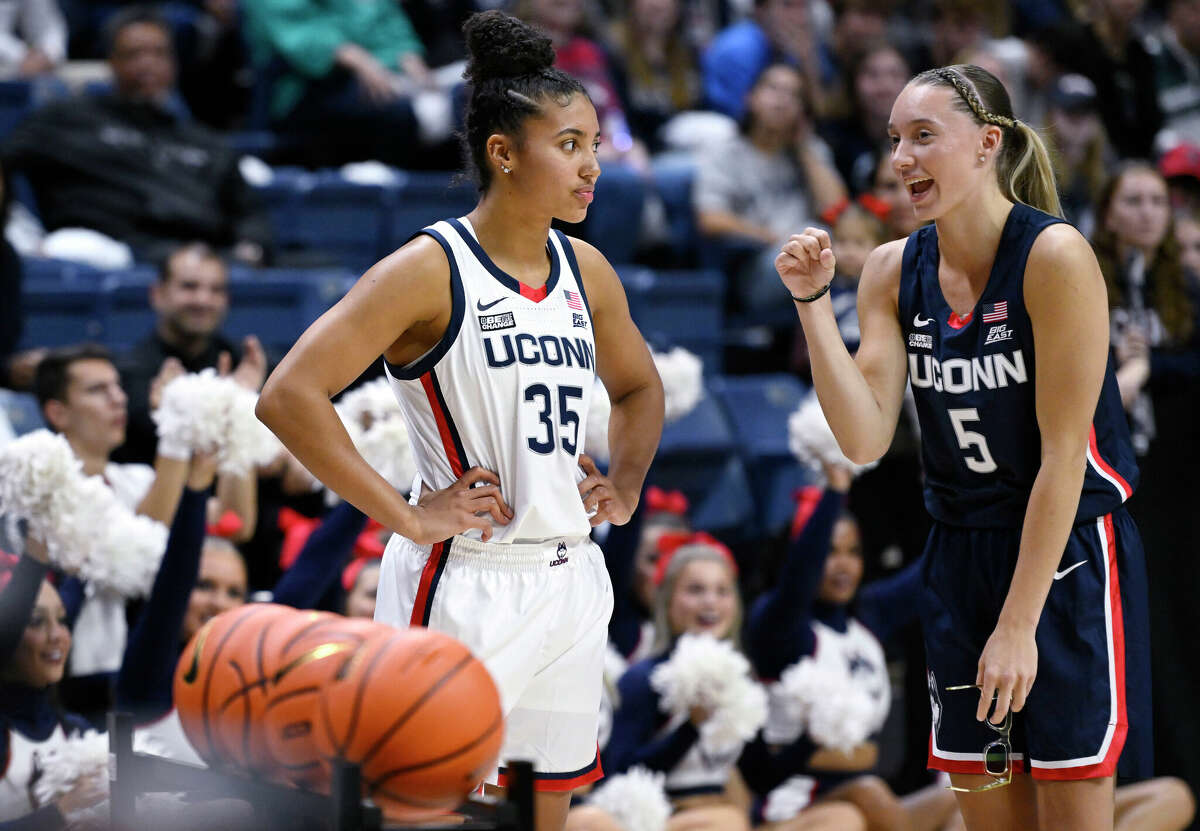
(507, 388)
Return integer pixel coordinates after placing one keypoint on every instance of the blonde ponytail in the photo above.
(1026, 174)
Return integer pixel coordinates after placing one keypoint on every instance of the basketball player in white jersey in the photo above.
(492, 328)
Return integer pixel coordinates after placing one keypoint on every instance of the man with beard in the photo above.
(190, 299)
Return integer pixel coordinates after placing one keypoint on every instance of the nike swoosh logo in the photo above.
(1058, 575)
(918, 321)
(479, 304)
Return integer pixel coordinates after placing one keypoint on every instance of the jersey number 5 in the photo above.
(544, 441)
(969, 439)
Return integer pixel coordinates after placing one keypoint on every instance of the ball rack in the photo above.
(283, 806)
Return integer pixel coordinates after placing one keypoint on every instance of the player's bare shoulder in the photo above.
(416, 275)
(881, 272)
(599, 278)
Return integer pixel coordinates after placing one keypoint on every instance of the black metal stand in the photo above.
(343, 809)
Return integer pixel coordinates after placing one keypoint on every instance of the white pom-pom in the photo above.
(636, 799)
(682, 376)
(204, 412)
(596, 438)
(86, 529)
(710, 674)
(841, 721)
(825, 702)
(812, 441)
(66, 765)
(386, 447)
(371, 402)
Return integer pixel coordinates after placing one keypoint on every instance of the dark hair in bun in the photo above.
(511, 73)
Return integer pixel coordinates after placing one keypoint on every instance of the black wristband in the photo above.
(813, 297)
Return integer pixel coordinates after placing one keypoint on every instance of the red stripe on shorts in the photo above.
(559, 782)
(420, 612)
(1108, 765)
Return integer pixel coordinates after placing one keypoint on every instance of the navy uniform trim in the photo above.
(457, 310)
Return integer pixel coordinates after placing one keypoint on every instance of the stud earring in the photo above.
(982, 159)
(508, 169)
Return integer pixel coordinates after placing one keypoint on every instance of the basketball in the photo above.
(300, 663)
(212, 676)
(421, 716)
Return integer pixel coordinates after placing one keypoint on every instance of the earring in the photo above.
(508, 169)
(982, 159)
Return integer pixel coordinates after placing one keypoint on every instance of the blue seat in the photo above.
(337, 217)
(697, 455)
(421, 199)
(22, 411)
(58, 314)
(717, 489)
(277, 307)
(758, 407)
(18, 98)
(47, 270)
(679, 308)
(672, 181)
(614, 220)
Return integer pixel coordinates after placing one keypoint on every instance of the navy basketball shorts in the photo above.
(1090, 703)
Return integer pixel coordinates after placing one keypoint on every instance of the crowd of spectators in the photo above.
(140, 147)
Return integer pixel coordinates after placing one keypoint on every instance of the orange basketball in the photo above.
(210, 671)
(421, 716)
(301, 666)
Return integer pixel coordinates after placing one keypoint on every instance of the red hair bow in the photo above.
(8, 562)
(659, 501)
(671, 542)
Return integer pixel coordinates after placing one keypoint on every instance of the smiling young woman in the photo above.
(1033, 569)
(492, 328)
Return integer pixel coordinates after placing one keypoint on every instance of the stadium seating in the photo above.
(420, 199)
(58, 313)
(697, 456)
(758, 407)
(678, 308)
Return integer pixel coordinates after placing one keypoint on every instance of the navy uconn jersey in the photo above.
(973, 380)
(507, 387)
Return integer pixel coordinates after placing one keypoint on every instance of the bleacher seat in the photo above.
(678, 308)
(672, 182)
(18, 98)
(22, 411)
(58, 313)
(47, 270)
(697, 455)
(322, 212)
(422, 198)
(614, 220)
(758, 407)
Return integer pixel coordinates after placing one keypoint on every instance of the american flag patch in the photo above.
(573, 300)
(995, 312)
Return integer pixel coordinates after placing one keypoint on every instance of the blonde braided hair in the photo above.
(1023, 165)
(967, 92)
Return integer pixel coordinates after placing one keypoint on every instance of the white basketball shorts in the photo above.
(537, 616)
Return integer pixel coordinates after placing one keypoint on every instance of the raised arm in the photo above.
(1066, 300)
(624, 364)
(861, 396)
(402, 307)
(778, 628)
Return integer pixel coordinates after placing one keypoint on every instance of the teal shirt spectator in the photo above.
(306, 34)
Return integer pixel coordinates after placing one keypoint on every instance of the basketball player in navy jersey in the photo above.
(1034, 586)
(492, 329)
